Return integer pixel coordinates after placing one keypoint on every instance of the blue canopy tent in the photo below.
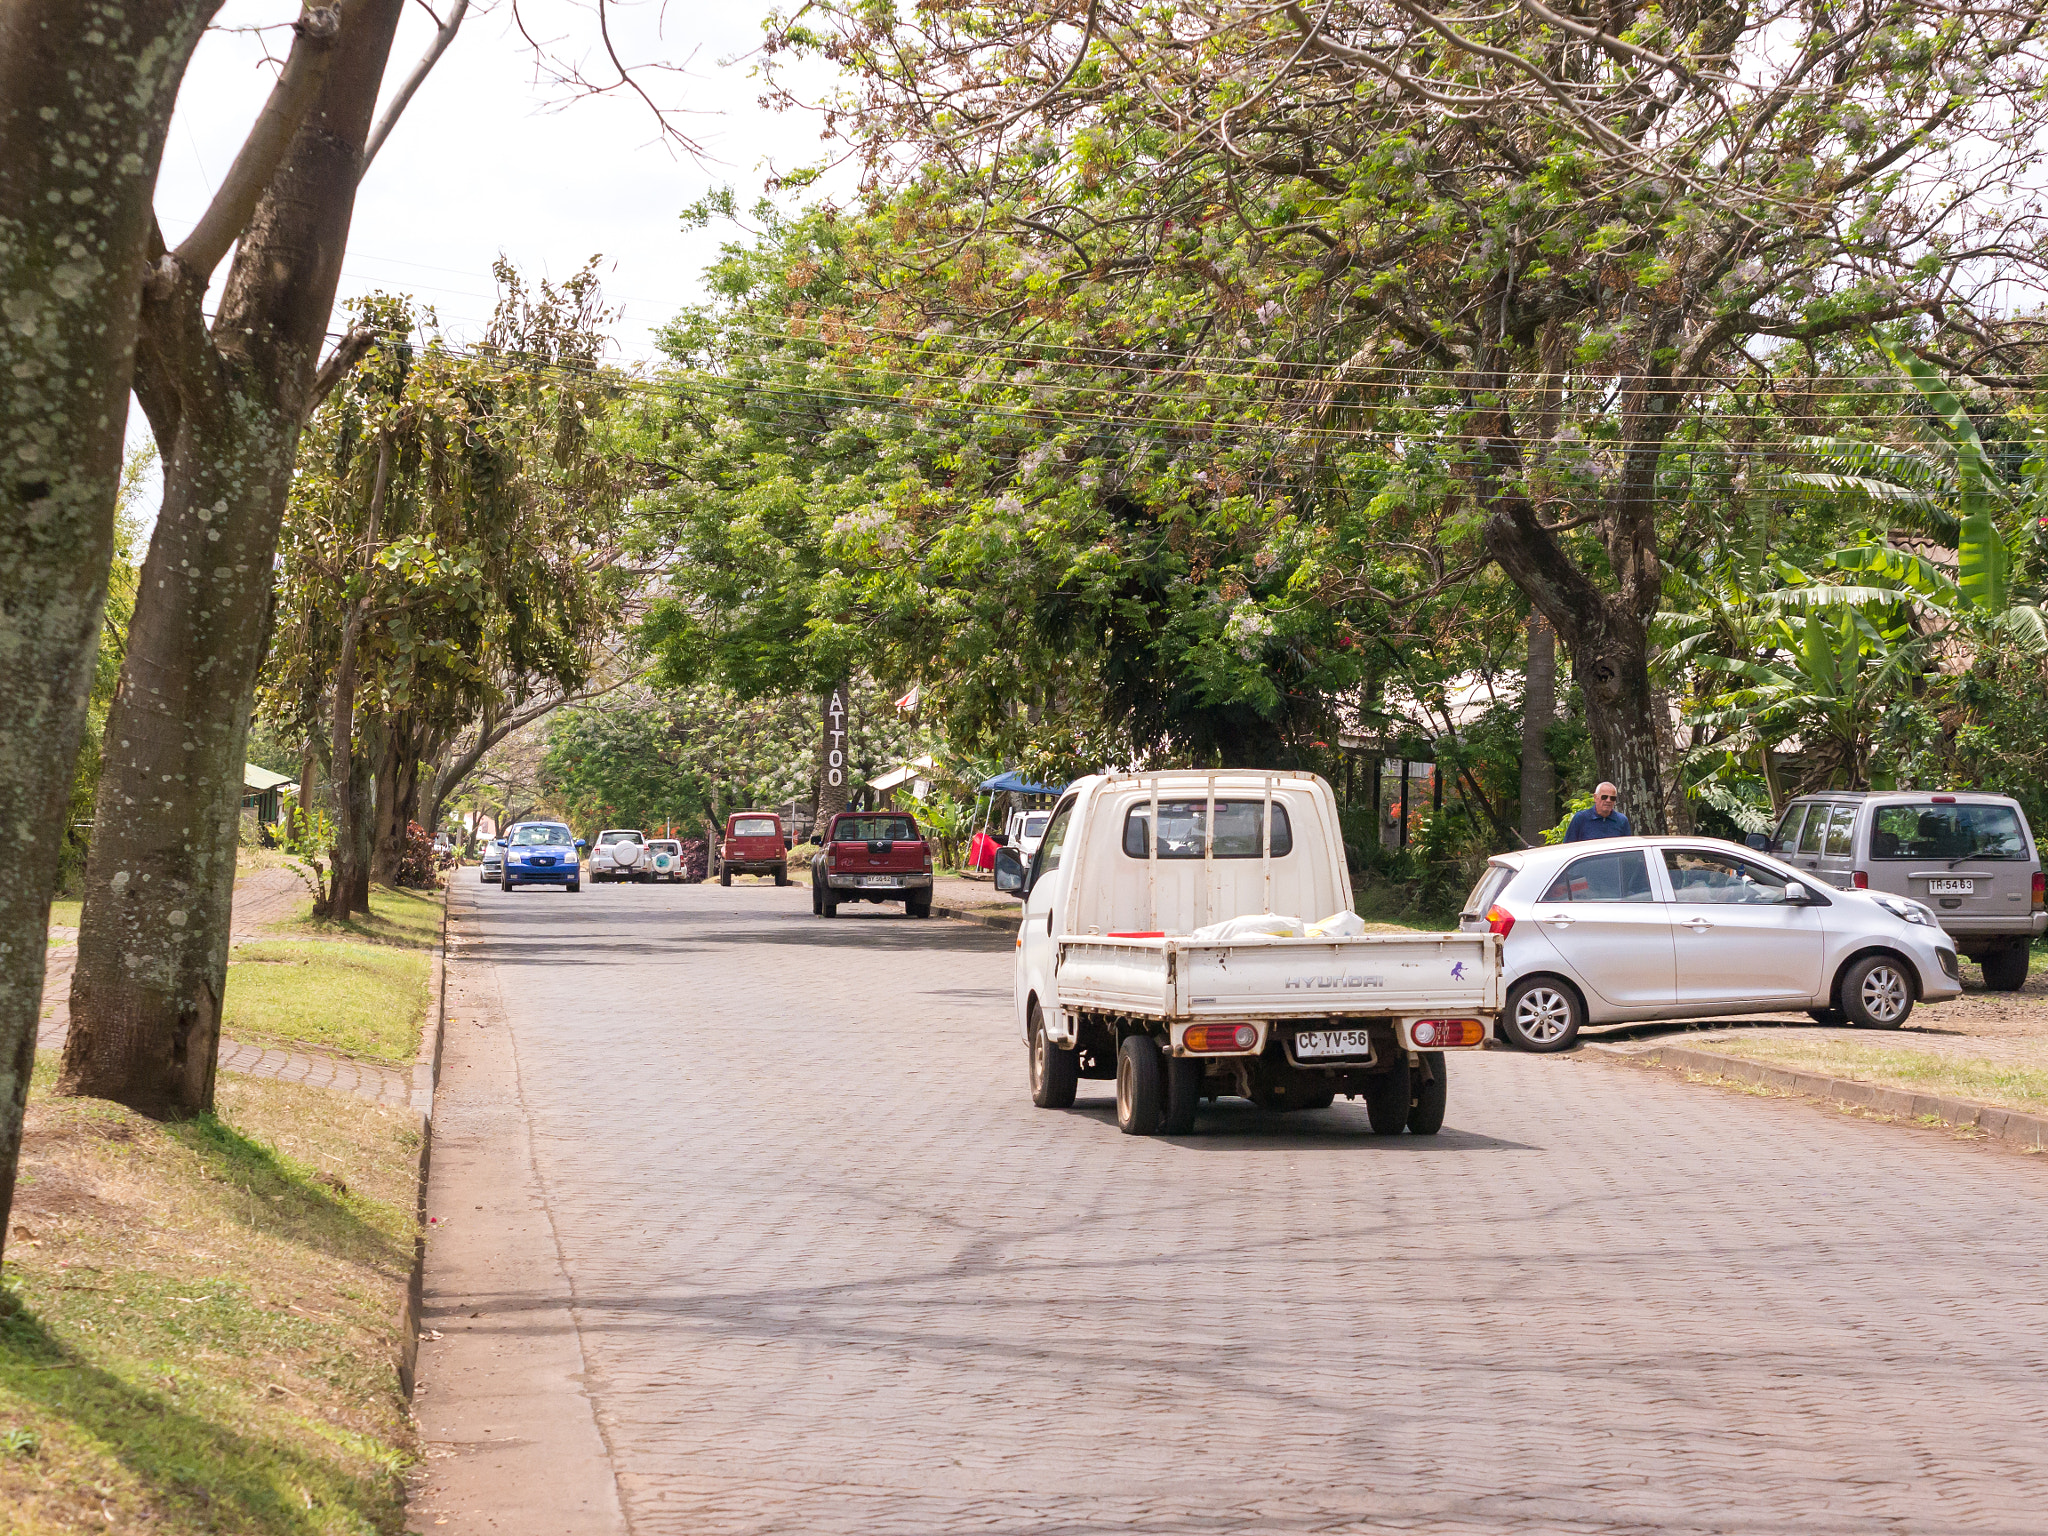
(1013, 783)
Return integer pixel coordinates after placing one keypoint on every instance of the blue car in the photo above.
(542, 853)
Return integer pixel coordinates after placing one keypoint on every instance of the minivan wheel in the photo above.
(1877, 992)
(1542, 1014)
(1139, 1085)
(2005, 970)
(1055, 1073)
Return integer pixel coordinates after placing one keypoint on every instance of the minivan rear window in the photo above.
(1240, 829)
(874, 829)
(1840, 832)
(1948, 832)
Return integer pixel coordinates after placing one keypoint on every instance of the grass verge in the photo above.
(2009, 1085)
(365, 999)
(64, 914)
(408, 918)
(199, 1322)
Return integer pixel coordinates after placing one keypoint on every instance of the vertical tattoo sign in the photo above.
(836, 756)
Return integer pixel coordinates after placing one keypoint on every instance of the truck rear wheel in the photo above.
(1386, 1100)
(1139, 1085)
(1183, 1095)
(1430, 1094)
(918, 906)
(725, 877)
(1055, 1073)
(2005, 970)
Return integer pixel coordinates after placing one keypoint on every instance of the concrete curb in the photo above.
(2005, 1124)
(1005, 922)
(426, 1073)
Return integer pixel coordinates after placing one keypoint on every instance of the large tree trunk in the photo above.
(835, 752)
(86, 92)
(152, 952)
(1539, 711)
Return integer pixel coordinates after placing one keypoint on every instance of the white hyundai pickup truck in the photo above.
(1111, 981)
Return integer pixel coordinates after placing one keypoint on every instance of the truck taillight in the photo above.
(1499, 921)
(2040, 891)
(1220, 1037)
(1435, 1034)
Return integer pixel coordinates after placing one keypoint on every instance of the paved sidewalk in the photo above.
(795, 1239)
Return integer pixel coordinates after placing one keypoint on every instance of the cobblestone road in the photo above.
(831, 1272)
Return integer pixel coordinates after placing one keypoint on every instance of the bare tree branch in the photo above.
(420, 71)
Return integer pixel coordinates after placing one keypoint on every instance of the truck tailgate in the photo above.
(1374, 973)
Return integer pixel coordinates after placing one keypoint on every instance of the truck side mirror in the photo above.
(1758, 841)
(1010, 873)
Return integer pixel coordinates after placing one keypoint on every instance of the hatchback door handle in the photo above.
(1699, 924)
(1560, 919)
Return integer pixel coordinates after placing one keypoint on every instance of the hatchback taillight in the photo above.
(1500, 921)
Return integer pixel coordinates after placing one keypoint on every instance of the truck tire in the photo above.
(1140, 1085)
(1430, 1094)
(817, 899)
(1387, 1099)
(1183, 1095)
(1541, 1014)
(2005, 970)
(828, 904)
(1055, 1073)
(1877, 992)
(918, 906)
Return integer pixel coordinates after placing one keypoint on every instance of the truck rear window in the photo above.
(1240, 830)
(1948, 832)
(874, 829)
(755, 826)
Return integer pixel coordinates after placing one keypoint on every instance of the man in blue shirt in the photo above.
(1601, 819)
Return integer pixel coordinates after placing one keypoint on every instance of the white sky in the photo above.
(487, 160)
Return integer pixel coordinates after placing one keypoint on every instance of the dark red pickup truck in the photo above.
(753, 846)
(873, 856)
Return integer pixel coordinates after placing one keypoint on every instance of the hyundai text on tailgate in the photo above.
(873, 856)
(1174, 939)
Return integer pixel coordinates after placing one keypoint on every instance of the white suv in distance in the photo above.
(1625, 929)
(621, 854)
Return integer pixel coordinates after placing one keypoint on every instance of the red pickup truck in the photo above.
(873, 856)
(753, 846)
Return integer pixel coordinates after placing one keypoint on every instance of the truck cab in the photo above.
(1189, 934)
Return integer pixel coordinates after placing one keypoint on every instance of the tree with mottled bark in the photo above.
(226, 402)
(86, 92)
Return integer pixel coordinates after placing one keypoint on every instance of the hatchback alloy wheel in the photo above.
(1884, 995)
(1543, 1017)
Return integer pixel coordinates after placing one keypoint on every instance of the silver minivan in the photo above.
(1969, 856)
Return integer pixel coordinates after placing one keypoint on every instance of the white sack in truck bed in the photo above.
(1273, 925)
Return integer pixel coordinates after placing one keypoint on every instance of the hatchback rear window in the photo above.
(1948, 832)
(874, 829)
(1240, 829)
(756, 826)
(1603, 877)
(609, 838)
(1489, 886)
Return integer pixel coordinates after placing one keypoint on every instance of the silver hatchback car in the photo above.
(1626, 929)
